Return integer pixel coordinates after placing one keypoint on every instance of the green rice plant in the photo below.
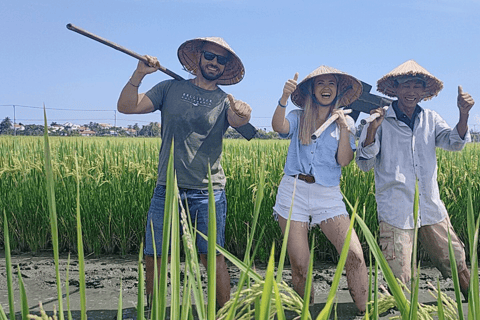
(53, 215)
(400, 299)
(81, 258)
(8, 265)
(211, 255)
(308, 286)
(325, 313)
(456, 283)
(141, 286)
(375, 295)
(415, 275)
(23, 295)
(114, 217)
(440, 312)
(175, 254)
(3, 316)
(102, 173)
(191, 264)
(266, 301)
(120, 303)
(67, 289)
(473, 230)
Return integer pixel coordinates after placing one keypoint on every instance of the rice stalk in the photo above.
(120, 303)
(81, 258)
(325, 313)
(23, 295)
(67, 289)
(265, 301)
(440, 312)
(211, 253)
(308, 285)
(456, 282)
(53, 214)
(8, 265)
(141, 286)
(473, 230)
(3, 316)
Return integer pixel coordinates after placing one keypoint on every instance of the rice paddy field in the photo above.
(118, 176)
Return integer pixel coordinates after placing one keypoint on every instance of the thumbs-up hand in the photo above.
(290, 86)
(240, 108)
(465, 101)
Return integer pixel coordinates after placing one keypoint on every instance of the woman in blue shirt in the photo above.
(313, 170)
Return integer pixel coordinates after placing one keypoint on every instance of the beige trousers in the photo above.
(397, 247)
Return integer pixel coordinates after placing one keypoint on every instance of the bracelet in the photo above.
(281, 105)
(345, 127)
(130, 82)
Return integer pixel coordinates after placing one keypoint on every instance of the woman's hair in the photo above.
(308, 119)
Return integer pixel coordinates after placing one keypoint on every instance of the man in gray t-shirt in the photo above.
(194, 115)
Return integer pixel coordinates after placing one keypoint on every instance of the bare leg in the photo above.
(357, 278)
(299, 253)
(222, 279)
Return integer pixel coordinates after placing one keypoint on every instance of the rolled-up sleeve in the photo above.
(448, 138)
(367, 155)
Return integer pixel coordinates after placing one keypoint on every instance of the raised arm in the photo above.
(130, 101)
(465, 102)
(279, 123)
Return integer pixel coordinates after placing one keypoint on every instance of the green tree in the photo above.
(5, 126)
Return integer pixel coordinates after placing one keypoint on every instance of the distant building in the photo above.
(105, 125)
(18, 127)
(131, 132)
(87, 133)
(56, 127)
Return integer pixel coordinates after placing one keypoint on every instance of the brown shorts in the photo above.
(397, 247)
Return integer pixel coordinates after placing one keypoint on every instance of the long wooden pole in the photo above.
(120, 48)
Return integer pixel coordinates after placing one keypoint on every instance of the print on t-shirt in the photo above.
(196, 101)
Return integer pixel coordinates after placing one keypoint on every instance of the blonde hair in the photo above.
(308, 119)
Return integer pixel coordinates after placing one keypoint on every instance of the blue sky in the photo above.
(42, 62)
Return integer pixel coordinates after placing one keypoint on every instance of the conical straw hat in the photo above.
(344, 82)
(189, 55)
(409, 69)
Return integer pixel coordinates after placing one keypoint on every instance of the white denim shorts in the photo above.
(313, 203)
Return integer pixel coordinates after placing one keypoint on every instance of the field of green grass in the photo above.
(118, 176)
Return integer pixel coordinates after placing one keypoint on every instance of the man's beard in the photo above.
(209, 77)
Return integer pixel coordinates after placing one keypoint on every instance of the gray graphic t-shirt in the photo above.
(196, 119)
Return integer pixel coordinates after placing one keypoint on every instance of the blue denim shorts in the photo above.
(198, 206)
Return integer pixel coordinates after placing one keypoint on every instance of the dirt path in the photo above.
(103, 276)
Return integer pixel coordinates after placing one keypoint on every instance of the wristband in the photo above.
(281, 105)
(130, 82)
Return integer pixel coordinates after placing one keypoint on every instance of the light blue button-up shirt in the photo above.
(319, 157)
(401, 156)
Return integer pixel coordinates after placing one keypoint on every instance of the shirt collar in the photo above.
(399, 113)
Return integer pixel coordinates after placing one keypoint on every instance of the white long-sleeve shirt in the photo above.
(400, 156)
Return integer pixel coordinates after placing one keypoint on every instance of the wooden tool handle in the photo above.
(329, 121)
(120, 48)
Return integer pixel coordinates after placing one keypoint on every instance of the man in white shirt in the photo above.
(401, 145)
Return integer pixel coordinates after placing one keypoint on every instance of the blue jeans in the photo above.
(198, 206)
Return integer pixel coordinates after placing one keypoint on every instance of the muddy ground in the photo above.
(103, 276)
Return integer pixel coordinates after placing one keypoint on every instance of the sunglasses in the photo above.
(210, 56)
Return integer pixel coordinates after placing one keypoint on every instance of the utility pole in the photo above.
(14, 127)
(115, 123)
